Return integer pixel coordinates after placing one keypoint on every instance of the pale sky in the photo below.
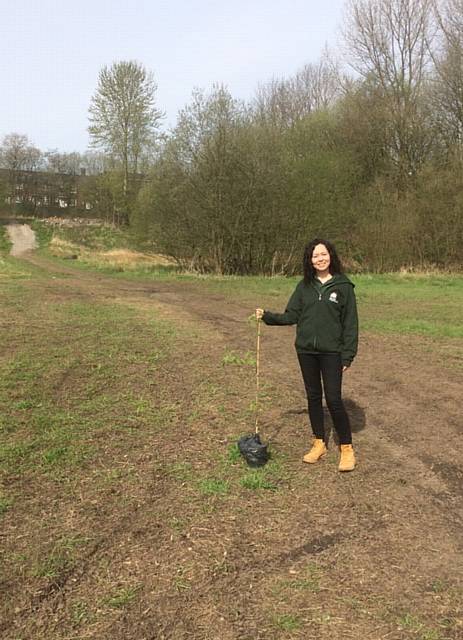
(52, 52)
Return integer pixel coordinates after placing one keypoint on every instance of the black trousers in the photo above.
(326, 367)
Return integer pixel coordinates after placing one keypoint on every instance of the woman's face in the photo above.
(321, 258)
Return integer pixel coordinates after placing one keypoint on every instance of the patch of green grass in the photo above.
(61, 559)
(181, 471)
(177, 524)
(24, 404)
(430, 634)
(411, 305)
(50, 567)
(231, 357)
(43, 232)
(121, 598)
(232, 467)
(439, 327)
(389, 303)
(101, 237)
(405, 304)
(287, 622)
(80, 612)
(253, 288)
(256, 480)
(181, 581)
(308, 579)
(5, 242)
(412, 623)
(439, 586)
(5, 504)
(12, 270)
(233, 454)
(55, 398)
(12, 455)
(214, 486)
(63, 457)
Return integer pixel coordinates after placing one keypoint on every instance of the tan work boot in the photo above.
(317, 451)
(347, 461)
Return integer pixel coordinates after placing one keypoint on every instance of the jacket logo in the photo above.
(333, 297)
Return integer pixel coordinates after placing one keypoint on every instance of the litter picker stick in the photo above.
(257, 375)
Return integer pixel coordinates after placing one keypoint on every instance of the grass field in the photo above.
(126, 510)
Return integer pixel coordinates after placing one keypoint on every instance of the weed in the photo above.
(55, 455)
(233, 454)
(438, 586)
(208, 507)
(287, 622)
(121, 598)
(309, 583)
(211, 486)
(181, 471)
(5, 243)
(51, 566)
(430, 634)
(12, 455)
(256, 480)
(61, 559)
(24, 404)
(80, 612)
(5, 504)
(447, 623)
(177, 524)
(231, 357)
(43, 233)
(413, 623)
(409, 621)
(221, 567)
(181, 582)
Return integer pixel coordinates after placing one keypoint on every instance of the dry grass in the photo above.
(116, 258)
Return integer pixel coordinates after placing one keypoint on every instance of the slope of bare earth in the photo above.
(375, 554)
(22, 238)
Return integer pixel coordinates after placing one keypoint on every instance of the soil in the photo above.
(377, 553)
(22, 238)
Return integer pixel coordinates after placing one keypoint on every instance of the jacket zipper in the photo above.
(319, 299)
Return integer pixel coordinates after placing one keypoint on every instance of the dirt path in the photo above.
(389, 533)
(22, 238)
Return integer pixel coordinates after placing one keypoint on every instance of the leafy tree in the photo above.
(123, 116)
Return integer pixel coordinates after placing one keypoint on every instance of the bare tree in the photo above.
(69, 163)
(447, 88)
(313, 88)
(123, 116)
(389, 42)
(95, 162)
(18, 154)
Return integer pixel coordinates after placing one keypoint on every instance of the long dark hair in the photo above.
(309, 270)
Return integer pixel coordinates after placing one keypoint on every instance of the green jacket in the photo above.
(326, 317)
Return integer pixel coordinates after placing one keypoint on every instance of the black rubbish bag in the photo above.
(253, 450)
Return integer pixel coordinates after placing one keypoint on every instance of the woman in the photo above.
(324, 309)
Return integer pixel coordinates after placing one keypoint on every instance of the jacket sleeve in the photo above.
(291, 314)
(349, 328)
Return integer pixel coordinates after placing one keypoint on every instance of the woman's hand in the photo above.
(259, 314)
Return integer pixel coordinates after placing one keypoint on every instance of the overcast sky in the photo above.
(52, 51)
